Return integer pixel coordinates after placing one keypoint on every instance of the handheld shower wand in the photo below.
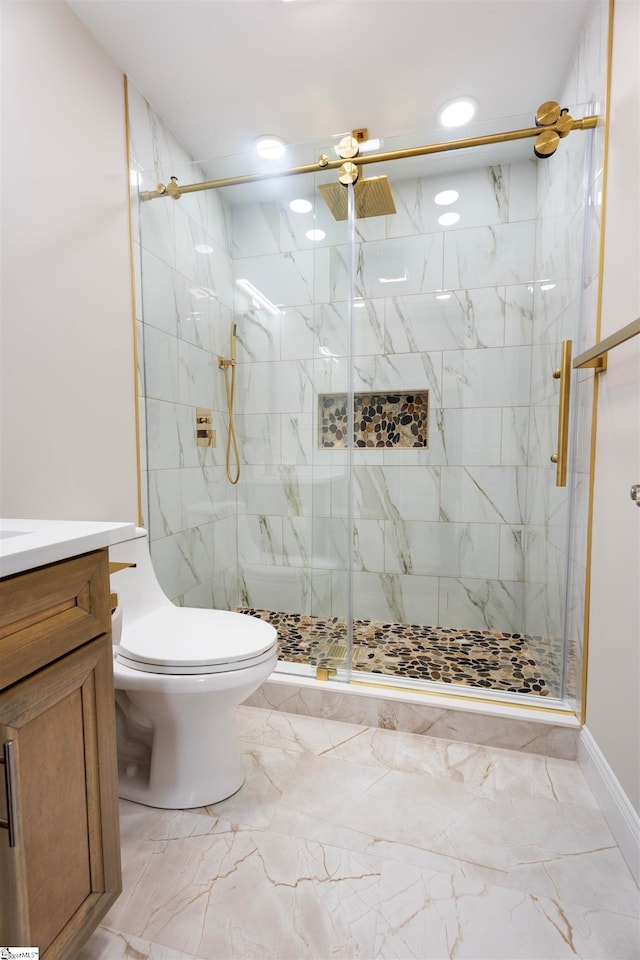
(233, 476)
(233, 342)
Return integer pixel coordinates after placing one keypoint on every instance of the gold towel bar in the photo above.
(596, 356)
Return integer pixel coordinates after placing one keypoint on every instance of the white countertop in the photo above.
(25, 544)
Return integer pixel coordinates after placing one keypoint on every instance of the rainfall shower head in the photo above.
(372, 198)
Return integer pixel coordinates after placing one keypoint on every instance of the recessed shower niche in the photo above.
(379, 420)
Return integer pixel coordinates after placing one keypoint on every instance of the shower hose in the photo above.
(232, 475)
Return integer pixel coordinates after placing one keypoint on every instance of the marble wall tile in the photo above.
(483, 494)
(184, 560)
(164, 503)
(395, 597)
(413, 264)
(522, 190)
(258, 335)
(298, 437)
(259, 438)
(303, 589)
(425, 322)
(162, 434)
(285, 490)
(486, 256)
(285, 280)
(442, 549)
(158, 293)
(519, 314)
(161, 365)
(279, 387)
(544, 605)
(497, 377)
(408, 371)
(197, 376)
(260, 539)
(480, 604)
(488, 195)
(158, 230)
(515, 435)
(255, 229)
(219, 593)
(465, 436)
(512, 554)
(206, 495)
(386, 492)
(298, 333)
(332, 334)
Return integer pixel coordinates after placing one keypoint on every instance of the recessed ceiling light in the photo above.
(315, 234)
(446, 197)
(457, 112)
(269, 147)
(448, 219)
(301, 206)
(203, 248)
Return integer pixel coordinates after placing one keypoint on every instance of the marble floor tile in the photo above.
(352, 842)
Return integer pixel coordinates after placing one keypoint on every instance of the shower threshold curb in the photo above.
(549, 730)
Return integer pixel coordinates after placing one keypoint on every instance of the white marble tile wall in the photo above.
(456, 317)
(185, 297)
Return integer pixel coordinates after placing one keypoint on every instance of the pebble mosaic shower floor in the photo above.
(476, 658)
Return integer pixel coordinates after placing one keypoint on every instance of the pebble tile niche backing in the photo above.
(379, 420)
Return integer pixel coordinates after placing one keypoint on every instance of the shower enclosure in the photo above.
(396, 516)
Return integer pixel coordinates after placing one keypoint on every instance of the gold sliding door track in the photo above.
(552, 124)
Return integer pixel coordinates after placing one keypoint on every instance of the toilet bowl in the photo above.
(179, 674)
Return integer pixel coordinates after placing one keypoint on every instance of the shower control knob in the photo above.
(635, 493)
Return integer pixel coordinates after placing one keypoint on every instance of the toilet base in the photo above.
(135, 789)
(176, 737)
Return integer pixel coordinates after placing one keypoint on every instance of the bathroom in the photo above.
(80, 460)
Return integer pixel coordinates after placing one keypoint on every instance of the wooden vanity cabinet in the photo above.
(57, 710)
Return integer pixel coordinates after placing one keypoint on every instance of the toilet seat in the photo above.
(186, 640)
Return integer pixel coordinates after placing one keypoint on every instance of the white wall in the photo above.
(613, 714)
(67, 429)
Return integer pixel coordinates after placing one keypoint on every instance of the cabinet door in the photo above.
(63, 873)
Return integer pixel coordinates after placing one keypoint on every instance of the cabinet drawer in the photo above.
(47, 612)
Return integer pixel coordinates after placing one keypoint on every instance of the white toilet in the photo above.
(179, 674)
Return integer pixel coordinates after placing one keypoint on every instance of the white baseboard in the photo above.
(616, 807)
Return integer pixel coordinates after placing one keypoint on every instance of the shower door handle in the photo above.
(563, 374)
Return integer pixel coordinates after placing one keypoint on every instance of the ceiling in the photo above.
(222, 72)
